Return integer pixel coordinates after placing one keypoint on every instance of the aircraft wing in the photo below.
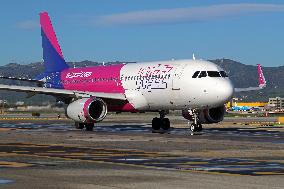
(21, 79)
(62, 92)
(261, 81)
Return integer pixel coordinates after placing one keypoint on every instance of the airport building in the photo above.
(248, 104)
(277, 102)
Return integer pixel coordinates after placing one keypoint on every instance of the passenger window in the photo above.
(195, 74)
(223, 74)
(213, 74)
(202, 74)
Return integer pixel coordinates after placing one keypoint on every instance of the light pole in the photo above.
(3, 102)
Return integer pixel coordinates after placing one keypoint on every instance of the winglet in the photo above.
(261, 78)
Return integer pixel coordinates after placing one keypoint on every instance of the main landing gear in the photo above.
(196, 126)
(161, 122)
(88, 126)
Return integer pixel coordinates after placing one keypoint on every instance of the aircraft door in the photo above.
(176, 84)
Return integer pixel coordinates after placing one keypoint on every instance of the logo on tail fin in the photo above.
(261, 78)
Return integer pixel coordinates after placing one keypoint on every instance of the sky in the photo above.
(250, 32)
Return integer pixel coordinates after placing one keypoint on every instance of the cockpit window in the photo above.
(202, 74)
(223, 74)
(195, 74)
(213, 74)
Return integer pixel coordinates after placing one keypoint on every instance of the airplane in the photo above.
(241, 108)
(198, 88)
(235, 107)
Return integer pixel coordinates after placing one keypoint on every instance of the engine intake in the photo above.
(87, 110)
(207, 116)
(212, 115)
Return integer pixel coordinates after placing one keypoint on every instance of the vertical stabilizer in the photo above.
(261, 78)
(52, 54)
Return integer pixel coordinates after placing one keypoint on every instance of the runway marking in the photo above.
(6, 129)
(7, 164)
(231, 166)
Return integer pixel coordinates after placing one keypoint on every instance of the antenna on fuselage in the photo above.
(193, 57)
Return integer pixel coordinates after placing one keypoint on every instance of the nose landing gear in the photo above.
(196, 126)
(161, 122)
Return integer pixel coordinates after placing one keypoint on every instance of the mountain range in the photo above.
(241, 75)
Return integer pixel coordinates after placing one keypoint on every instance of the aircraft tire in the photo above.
(193, 127)
(166, 124)
(196, 127)
(199, 127)
(79, 125)
(156, 123)
(89, 126)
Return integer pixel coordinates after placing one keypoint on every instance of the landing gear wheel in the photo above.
(196, 127)
(199, 127)
(156, 123)
(193, 127)
(89, 126)
(165, 124)
(79, 125)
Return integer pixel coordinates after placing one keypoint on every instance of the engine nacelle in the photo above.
(87, 110)
(207, 116)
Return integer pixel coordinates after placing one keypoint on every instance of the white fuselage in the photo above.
(169, 85)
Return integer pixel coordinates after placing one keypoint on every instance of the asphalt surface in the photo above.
(122, 152)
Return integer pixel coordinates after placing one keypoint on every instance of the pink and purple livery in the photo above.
(198, 88)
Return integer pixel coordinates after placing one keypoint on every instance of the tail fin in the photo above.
(52, 55)
(261, 82)
(261, 78)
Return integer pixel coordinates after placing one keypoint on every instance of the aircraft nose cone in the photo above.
(224, 91)
(227, 91)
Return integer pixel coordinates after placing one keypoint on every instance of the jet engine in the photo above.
(207, 116)
(87, 110)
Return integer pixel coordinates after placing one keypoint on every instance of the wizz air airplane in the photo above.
(199, 88)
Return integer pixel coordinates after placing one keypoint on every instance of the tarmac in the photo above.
(123, 152)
